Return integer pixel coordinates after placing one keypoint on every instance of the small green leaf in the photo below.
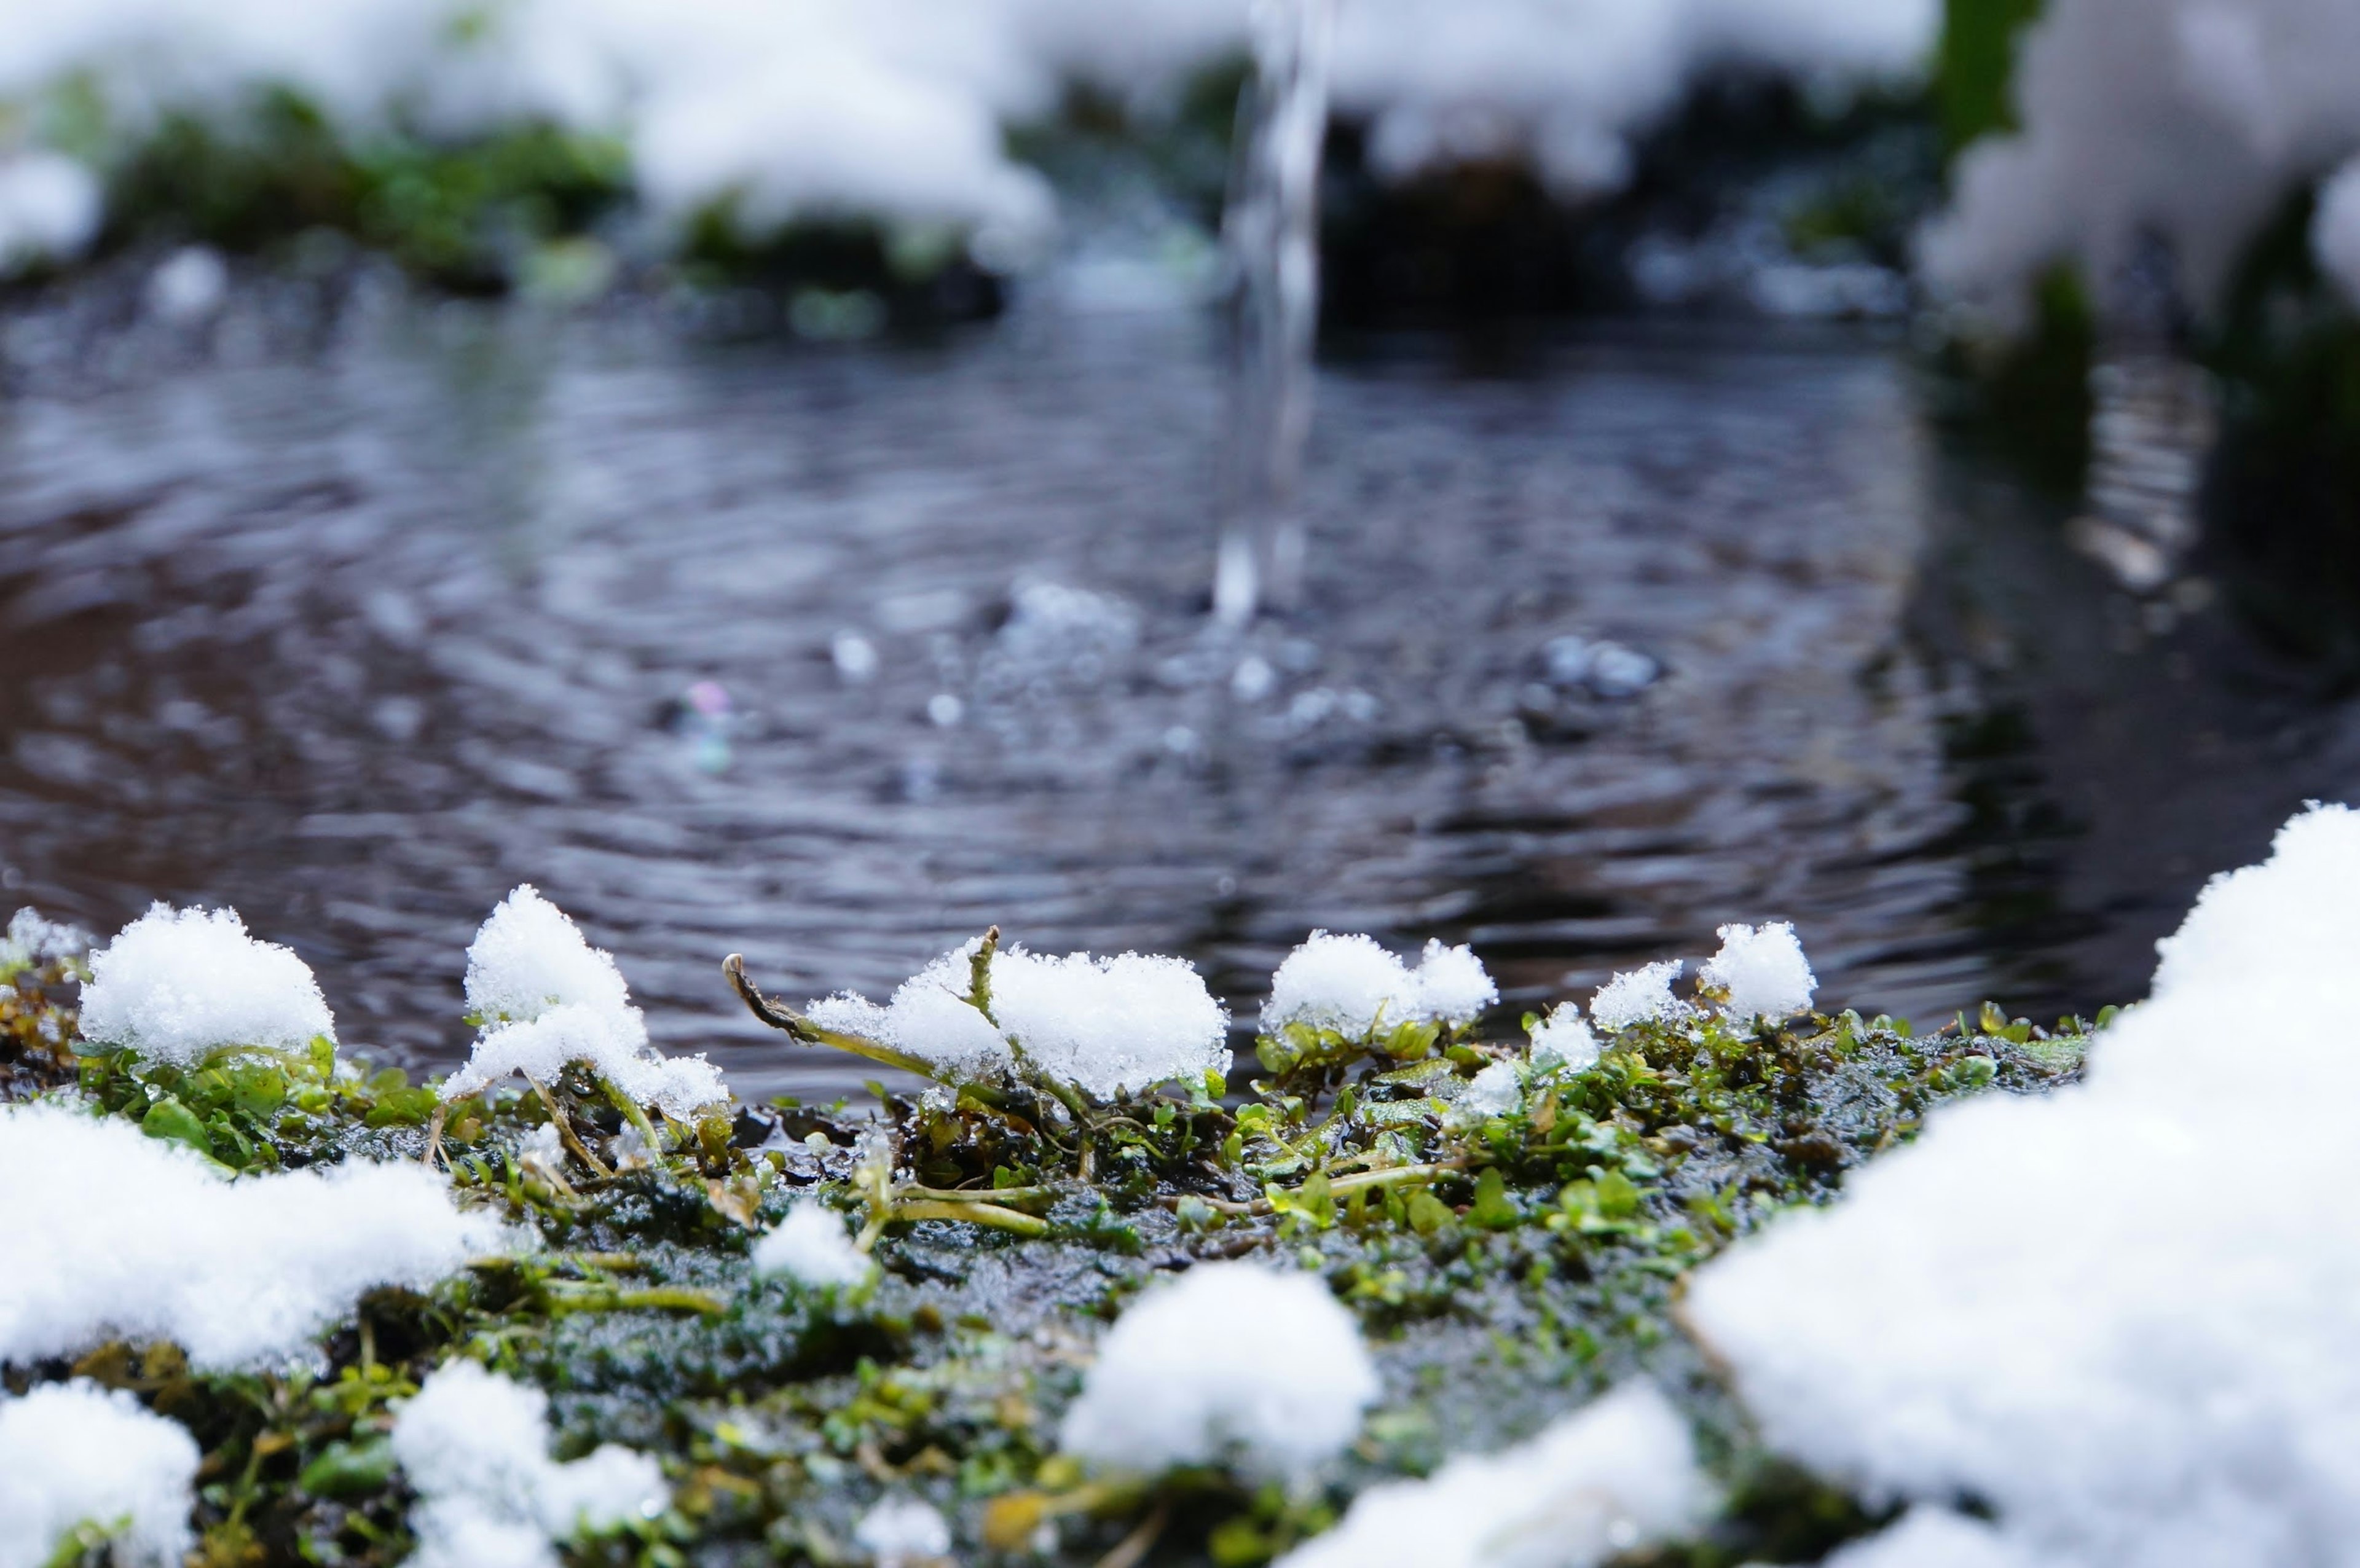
(1617, 1198)
(174, 1122)
(349, 1469)
(1493, 1210)
(1427, 1214)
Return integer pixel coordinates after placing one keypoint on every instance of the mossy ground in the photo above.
(1503, 1268)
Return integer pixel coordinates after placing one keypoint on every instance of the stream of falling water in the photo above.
(1271, 230)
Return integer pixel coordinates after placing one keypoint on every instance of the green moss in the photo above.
(1975, 66)
(1503, 1268)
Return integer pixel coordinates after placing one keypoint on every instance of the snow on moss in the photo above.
(1564, 1036)
(812, 1246)
(902, 1529)
(138, 1239)
(1763, 970)
(546, 997)
(1351, 985)
(1639, 996)
(1231, 1362)
(1617, 1474)
(2121, 1314)
(475, 1447)
(73, 1454)
(176, 984)
(1114, 1025)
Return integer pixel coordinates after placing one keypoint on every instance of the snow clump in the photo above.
(546, 997)
(812, 1246)
(902, 1529)
(2171, 1262)
(1565, 1037)
(1763, 971)
(1616, 1474)
(156, 1243)
(2189, 122)
(175, 985)
(2335, 231)
(475, 1447)
(49, 209)
(1494, 1092)
(1112, 1025)
(1639, 996)
(1354, 987)
(74, 1453)
(1230, 1359)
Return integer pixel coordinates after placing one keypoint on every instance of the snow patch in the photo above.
(156, 1243)
(476, 1446)
(1614, 1476)
(812, 1246)
(74, 1453)
(1231, 1360)
(902, 1529)
(2169, 1261)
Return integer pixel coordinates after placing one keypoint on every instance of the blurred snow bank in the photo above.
(75, 1455)
(892, 108)
(2124, 1313)
(2190, 122)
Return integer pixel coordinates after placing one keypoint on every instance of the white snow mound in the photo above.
(2123, 1313)
(812, 1246)
(1639, 996)
(1231, 1360)
(1616, 1474)
(547, 997)
(476, 1446)
(176, 984)
(1353, 985)
(144, 1240)
(73, 1453)
(1763, 971)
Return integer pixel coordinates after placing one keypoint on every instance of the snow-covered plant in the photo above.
(1639, 996)
(545, 999)
(1563, 1036)
(1760, 973)
(177, 985)
(982, 1013)
(1614, 1476)
(1337, 998)
(86, 1473)
(475, 1447)
(1232, 1363)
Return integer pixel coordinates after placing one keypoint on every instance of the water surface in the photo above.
(358, 630)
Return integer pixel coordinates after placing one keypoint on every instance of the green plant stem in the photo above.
(990, 1215)
(1342, 1186)
(1003, 1195)
(660, 1298)
(566, 1127)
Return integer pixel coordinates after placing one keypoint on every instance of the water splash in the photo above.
(1271, 230)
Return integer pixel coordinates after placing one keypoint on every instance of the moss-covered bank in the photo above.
(1502, 1268)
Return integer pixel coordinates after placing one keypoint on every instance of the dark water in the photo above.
(358, 633)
